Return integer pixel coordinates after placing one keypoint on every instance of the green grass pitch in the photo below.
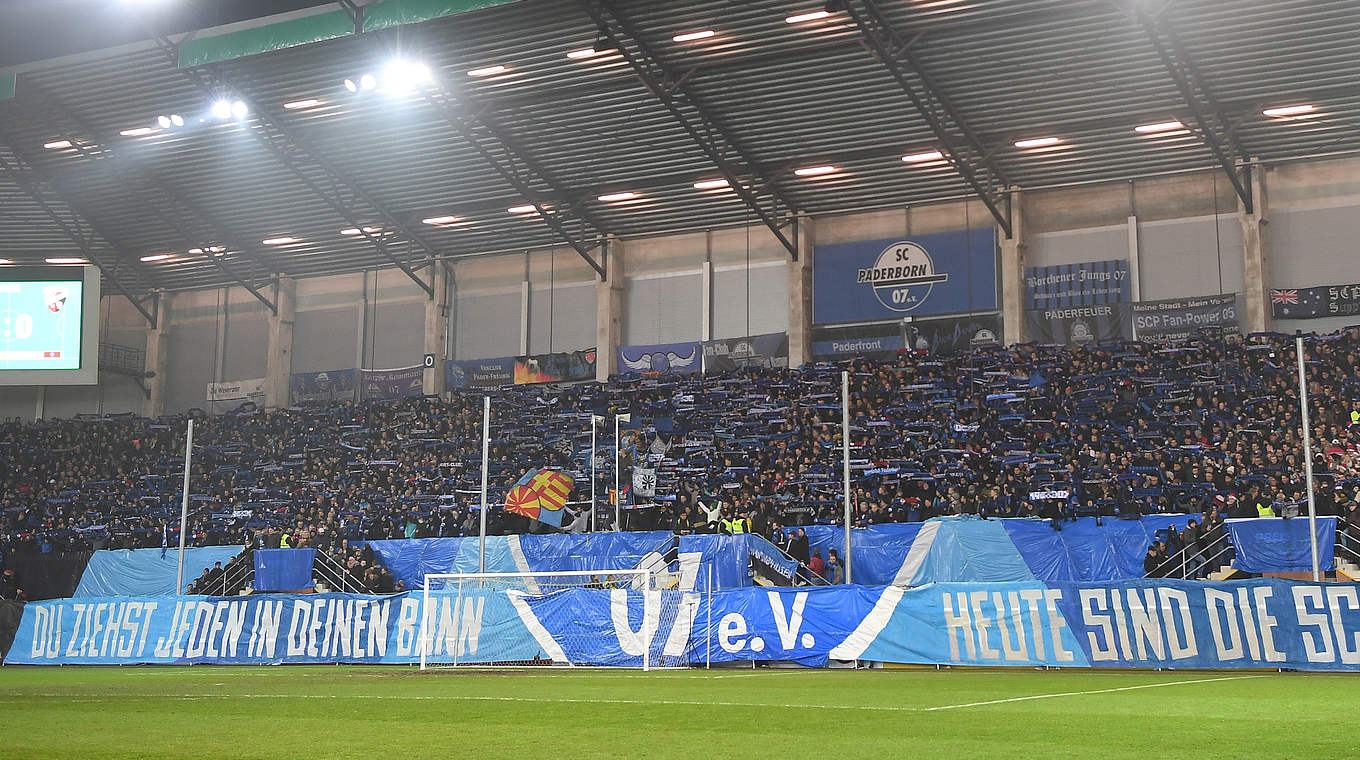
(393, 712)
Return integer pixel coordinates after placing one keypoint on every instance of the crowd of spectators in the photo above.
(1209, 426)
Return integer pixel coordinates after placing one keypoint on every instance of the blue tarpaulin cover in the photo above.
(144, 572)
(1277, 545)
(283, 569)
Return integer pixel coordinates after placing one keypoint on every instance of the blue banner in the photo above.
(392, 383)
(675, 358)
(283, 569)
(1277, 545)
(920, 275)
(324, 387)
(147, 572)
(1085, 284)
(480, 373)
(1142, 624)
(858, 346)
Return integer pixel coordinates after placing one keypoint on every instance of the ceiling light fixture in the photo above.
(57, 145)
(354, 231)
(710, 184)
(435, 221)
(692, 36)
(486, 71)
(611, 197)
(6, 261)
(406, 76)
(309, 102)
(809, 16)
(1161, 126)
(278, 241)
(137, 132)
(61, 260)
(814, 171)
(1289, 110)
(582, 53)
(917, 158)
(154, 257)
(525, 209)
(1037, 142)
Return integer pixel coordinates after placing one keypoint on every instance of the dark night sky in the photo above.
(34, 30)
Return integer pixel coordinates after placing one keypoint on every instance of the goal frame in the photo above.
(650, 598)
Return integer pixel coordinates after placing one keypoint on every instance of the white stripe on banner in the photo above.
(536, 628)
(916, 556)
(869, 628)
(521, 562)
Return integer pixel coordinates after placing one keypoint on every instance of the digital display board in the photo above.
(49, 325)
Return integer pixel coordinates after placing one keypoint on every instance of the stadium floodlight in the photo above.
(154, 257)
(176, 120)
(1297, 110)
(1037, 142)
(406, 76)
(710, 184)
(919, 158)
(612, 197)
(164, 121)
(814, 171)
(239, 109)
(1161, 126)
(368, 82)
(350, 85)
(57, 144)
(692, 36)
(221, 109)
(486, 71)
(799, 18)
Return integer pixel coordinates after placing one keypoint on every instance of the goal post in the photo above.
(492, 619)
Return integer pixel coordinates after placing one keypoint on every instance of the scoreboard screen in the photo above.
(40, 324)
(49, 325)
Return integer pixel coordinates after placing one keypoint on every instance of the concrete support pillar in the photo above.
(609, 312)
(157, 359)
(278, 368)
(800, 295)
(1013, 275)
(1255, 258)
(437, 329)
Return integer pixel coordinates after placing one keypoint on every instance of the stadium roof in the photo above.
(1024, 93)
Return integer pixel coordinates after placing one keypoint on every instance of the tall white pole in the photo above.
(184, 507)
(486, 452)
(618, 497)
(845, 464)
(593, 420)
(1307, 456)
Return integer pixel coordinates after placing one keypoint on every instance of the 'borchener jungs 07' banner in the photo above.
(1078, 304)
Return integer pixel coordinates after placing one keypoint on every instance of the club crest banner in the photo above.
(1081, 325)
(729, 354)
(918, 275)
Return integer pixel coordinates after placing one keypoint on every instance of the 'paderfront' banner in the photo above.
(1179, 318)
(1140, 624)
(918, 275)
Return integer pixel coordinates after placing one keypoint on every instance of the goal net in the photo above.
(620, 618)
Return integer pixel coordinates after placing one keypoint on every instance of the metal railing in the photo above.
(1347, 542)
(1190, 562)
(334, 574)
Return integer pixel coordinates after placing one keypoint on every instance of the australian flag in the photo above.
(1311, 303)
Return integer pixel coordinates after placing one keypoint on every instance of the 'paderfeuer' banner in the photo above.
(1142, 624)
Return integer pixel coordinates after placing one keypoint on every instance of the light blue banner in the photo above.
(1277, 545)
(1143, 624)
(147, 572)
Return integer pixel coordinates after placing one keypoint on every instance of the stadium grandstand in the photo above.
(1012, 338)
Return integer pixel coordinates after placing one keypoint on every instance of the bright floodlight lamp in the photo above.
(406, 76)
(351, 85)
(164, 121)
(176, 120)
(221, 109)
(239, 109)
(368, 82)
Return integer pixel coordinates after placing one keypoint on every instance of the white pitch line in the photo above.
(1084, 693)
(644, 702)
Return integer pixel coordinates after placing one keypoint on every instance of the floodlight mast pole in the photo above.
(486, 449)
(845, 463)
(184, 507)
(594, 418)
(1307, 457)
